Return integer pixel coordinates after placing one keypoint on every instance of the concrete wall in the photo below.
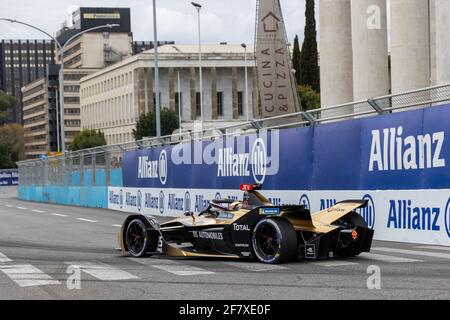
(370, 49)
(92, 48)
(336, 59)
(440, 41)
(410, 52)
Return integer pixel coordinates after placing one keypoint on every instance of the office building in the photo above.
(113, 98)
(22, 62)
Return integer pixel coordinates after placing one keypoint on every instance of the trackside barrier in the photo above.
(400, 163)
(397, 160)
(9, 177)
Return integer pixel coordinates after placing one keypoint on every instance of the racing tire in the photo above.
(274, 241)
(139, 240)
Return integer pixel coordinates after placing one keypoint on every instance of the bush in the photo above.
(146, 125)
(87, 139)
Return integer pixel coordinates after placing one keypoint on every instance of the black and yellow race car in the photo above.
(253, 228)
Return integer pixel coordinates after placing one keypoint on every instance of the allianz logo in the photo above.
(153, 169)
(403, 214)
(231, 164)
(179, 203)
(390, 150)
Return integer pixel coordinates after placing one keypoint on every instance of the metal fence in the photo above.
(71, 168)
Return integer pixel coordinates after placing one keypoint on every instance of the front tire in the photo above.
(274, 241)
(139, 240)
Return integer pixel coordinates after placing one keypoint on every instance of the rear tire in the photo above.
(274, 241)
(139, 240)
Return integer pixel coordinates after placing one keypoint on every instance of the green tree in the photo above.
(146, 125)
(309, 63)
(87, 139)
(8, 105)
(310, 99)
(7, 156)
(296, 59)
(12, 145)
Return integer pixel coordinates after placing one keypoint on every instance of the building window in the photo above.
(197, 105)
(72, 100)
(71, 88)
(240, 103)
(154, 100)
(220, 103)
(179, 102)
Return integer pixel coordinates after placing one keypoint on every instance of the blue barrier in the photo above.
(9, 177)
(401, 151)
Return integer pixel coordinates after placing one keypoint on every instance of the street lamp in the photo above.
(179, 102)
(198, 7)
(246, 81)
(61, 70)
(155, 46)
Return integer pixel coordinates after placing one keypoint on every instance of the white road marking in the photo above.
(102, 271)
(59, 215)
(334, 263)
(22, 208)
(256, 266)
(116, 225)
(433, 248)
(26, 275)
(86, 220)
(9, 206)
(4, 258)
(384, 258)
(417, 253)
(38, 211)
(173, 267)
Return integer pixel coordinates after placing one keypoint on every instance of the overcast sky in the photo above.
(232, 21)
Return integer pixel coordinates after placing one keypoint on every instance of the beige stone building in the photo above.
(36, 118)
(40, 99)
(96, 50)
(113, 98)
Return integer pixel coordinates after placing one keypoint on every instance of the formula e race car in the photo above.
(252, 228)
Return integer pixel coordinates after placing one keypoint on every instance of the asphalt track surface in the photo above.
(43, 247)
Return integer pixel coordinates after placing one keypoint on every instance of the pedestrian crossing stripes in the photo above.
(414, 252)
(385, 258)
(256, 267)
(102, 271)
(4, 258)
(334, 263)
(26, 275)
(173, 267)
(433, 248)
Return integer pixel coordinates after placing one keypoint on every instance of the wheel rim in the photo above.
(266, 241)
(136, 237)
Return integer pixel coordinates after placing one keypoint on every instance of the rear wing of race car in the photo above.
(338, 211)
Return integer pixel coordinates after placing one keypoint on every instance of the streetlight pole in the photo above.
(61, 70)
(155, 45)
(198, 7)
(179, 102)
(246, 81)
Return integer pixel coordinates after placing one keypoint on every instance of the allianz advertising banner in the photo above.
(399, 162)
(9, 177)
